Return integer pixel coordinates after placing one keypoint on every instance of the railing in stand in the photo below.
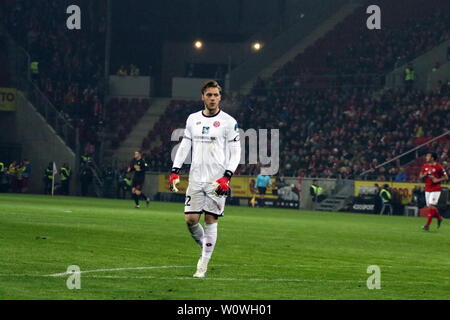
(405, 153)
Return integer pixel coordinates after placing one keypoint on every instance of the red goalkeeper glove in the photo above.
(223, 184)
(174, 179)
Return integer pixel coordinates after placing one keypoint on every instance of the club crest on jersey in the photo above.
(205, 130)
(216, 124)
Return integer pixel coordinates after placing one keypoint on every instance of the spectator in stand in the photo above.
(134, 71)
(3, 178)
(20, 169)
(122, 71)
(436, 67)
(409, 77)
(401, 175)
(65, 62)
(12, 176)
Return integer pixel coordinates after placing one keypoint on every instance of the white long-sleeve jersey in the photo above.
(215, 143)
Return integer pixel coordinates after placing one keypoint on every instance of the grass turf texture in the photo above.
(261, 253)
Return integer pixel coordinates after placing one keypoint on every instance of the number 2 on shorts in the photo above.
(187, 202)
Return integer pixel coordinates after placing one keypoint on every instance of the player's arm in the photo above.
(443, 178)
(422, 173)
(234, 157)
(180, 156)
(234, 143)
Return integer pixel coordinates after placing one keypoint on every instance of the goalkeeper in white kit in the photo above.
(214, 138)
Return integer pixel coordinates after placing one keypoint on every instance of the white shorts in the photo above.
(200, 197)
(432, 198)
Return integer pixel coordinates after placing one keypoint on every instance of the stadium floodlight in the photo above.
(256, 46)
(198, 44)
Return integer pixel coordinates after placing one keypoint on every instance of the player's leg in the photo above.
(193, 208)
(143, 196)
(383, 208)
(430, 214)
(135, 197)
(213, 209)
(434, 199)
(209, 243)
(195, 228)
(391, 209)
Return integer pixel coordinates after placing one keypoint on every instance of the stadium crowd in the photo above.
(331, 125)
(66, 66)
(15, 176)
(352, 55)
(359, 133)
(336, 128)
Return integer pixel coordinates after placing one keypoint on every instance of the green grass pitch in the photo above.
(125, 253)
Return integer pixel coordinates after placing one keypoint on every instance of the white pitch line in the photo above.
(223, 265)
(223, 279)
(242, 279)
(61, 274)
(265, 279)
(115, 269)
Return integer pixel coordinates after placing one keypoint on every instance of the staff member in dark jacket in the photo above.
(316, 192)
(386, 198)
(48, 178)
(65, 174)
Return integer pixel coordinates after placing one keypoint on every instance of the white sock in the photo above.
(197, 233)
(209, 241)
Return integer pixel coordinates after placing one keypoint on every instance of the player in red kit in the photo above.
(434, 174)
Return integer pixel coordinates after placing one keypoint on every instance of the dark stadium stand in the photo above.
(122, 115)
(5, 76)
(160, 156)
(352, 55)
(70, 63)
(341, 126)
(335, 119)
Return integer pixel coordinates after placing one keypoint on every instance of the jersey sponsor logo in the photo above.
(216, 124)
(207, 139)
(205, 130)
